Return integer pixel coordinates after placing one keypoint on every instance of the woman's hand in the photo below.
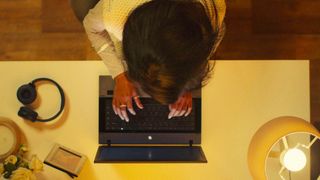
(182, 106)
(124, 92)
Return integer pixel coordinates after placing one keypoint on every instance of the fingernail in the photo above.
(170, 115)
(132, 111)
(182, 113)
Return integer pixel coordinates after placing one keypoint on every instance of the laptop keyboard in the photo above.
(153, 117)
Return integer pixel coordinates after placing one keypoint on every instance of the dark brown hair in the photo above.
(166, 45)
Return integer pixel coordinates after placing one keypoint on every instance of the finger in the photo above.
(175, 114)
(184, 108)
(189, 105)
(182, 112)
(118, 110)
(114, 107)
(188, 111)
(130, 108)
(178, 109)
(136, 99)
(124, 114)
(172, 111)
(123, 111)
(138, 102)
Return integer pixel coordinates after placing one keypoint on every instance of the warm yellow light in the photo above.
(266, 137)
(294, 159)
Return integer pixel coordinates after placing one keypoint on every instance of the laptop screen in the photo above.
(149, 154)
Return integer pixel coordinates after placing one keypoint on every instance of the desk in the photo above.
(241, 96)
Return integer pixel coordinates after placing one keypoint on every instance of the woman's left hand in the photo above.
(182, 106)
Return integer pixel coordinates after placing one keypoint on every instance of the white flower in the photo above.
(1, 168)
(35, 164)
(22, 174)
(11, 159)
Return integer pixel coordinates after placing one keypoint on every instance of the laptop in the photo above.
(149, 136)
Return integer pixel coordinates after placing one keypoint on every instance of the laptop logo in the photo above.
(150, 138)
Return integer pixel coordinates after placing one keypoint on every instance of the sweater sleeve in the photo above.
(101, 40)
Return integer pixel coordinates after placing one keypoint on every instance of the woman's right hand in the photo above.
(124, 92)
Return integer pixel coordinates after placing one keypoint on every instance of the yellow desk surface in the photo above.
(241, 97)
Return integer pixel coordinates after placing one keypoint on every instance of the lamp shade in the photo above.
(267, 135)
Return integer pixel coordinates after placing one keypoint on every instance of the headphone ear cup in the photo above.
(28, 113)
(27, 94)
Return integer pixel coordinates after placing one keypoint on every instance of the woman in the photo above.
(160, 46)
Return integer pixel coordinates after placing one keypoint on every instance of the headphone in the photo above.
(27, 93)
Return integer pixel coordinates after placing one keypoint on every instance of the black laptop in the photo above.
(149, 136)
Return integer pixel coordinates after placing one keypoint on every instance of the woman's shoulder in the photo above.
(221, 8)
(215, 7)
(116, 12)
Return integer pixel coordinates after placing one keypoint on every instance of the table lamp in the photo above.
(292, 159)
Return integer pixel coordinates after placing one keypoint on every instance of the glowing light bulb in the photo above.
(294, 159)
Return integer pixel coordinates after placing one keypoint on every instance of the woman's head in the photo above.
(166, 45)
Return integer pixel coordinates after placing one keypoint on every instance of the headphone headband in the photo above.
(27, 90)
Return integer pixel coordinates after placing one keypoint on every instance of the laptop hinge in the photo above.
(109, 142)
(190, 143)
